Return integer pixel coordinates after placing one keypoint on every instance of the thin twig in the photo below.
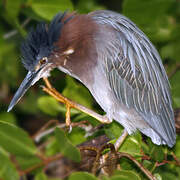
(109, 161)
(14, 32)
(48, 124)
(146, 171)
(98, 154)
(39, 136)
(43, 163)
(176, 159)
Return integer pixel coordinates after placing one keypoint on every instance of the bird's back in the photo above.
(137, 78)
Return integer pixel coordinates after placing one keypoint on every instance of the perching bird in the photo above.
(114, 59)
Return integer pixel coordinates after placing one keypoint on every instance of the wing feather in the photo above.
(136, 74)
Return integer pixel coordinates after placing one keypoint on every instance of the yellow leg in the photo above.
(121, 139)
(68, 117)
(70, 104)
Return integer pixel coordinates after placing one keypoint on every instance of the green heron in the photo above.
(114, 59)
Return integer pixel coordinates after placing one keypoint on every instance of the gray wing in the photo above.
(136, 74)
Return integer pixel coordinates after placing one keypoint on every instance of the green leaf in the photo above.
(176, 149)
(155, 23)
(29, 102)
(158, 176)
(82, 176)
(28, 12)
(41, 176)
(104, 177)
(47, 9)
(148, 164)
(156, 153)
(65, 146)
(52, 147)
(113, 130)
(125, 175)
(88, 6)
(15, 140)
(167, 176)
(27, 161)
(7, 169)
(8, 117)
(77, 92)
(132, 145)
(8, 65)
(171, 50)
(137, 10)
(77, 136)
(51, 106)
(83, 116)
(175, 89)
(13, 7)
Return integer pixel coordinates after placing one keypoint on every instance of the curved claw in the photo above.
(70, 128)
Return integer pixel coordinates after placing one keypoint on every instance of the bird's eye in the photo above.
(43, 60)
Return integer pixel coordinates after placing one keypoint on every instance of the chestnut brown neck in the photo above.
(79, 29)
(78, 35)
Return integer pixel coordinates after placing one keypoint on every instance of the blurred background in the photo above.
(159, 19)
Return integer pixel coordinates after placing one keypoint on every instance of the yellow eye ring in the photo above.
(43, 60)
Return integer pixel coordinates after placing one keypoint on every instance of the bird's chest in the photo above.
(101, 91)
(94, 78)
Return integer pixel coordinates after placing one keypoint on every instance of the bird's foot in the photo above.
(53, 92)
(106, 120)
(109, 161)
(70, 104)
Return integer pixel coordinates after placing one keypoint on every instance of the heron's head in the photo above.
(38, 50)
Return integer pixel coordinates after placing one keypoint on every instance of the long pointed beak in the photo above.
(25, 85)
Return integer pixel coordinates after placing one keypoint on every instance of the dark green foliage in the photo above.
(19, 153)
(66, 147)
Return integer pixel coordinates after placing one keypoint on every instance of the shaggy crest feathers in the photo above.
(40, 41)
